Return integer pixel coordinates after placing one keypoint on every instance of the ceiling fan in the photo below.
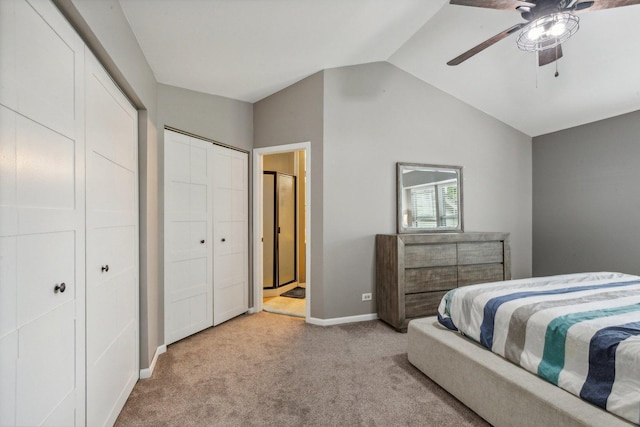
(549, 24)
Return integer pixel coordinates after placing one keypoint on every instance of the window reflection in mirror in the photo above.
(429, 198)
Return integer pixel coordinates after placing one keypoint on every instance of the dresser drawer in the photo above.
(414, 271)
(435, 255)
(424, 304)
(472, 274)
(430, 279)
(480, 253)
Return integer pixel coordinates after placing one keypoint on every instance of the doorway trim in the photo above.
(258, 154)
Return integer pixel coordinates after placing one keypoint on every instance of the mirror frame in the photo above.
(401, 229)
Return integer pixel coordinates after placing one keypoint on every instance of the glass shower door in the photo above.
(286, 228)
(268, 230)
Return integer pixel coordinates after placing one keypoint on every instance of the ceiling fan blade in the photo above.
(548, 56)
(493, 4)
(485, 44)
(603, 4)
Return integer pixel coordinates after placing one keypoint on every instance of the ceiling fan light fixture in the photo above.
(548, 31)
(535, 33)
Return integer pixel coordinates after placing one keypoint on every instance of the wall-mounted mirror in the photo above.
(429, 198)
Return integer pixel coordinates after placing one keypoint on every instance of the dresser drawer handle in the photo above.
(59, 288)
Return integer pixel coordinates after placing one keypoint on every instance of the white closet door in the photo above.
(41, 217)
(230, 207)
(188, 224)
(112, 246)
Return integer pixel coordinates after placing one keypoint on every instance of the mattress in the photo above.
(580, 332)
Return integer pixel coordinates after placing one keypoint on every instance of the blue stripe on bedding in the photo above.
(602, 362)
(492, 306)
(447, 322)
(555, 339)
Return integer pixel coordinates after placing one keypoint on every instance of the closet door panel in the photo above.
(180, 195)
(198, 198)
(111, 370)
(64, 411)
(238, 202)
(223, 239)
(177, 153)
(230, 195)
(181, 238)
(188, 217)
(42, 235)
(108, 112)
(187, 274)
(45, 71)
(45, 173)
(8, 378)
(8, 79)
(107, 174)
(199, 168)
(42, 387)
(8, 285)
(222, 206)
(53, 254)
(114, 290)
(189, 311)
(222, 170)
(8, 210)
(237, 234)
(112, 246)
(238, 178)
(46, 179)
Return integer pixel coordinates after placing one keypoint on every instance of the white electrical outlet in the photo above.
(366, 297)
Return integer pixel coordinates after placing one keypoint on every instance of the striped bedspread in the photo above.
(580, 332)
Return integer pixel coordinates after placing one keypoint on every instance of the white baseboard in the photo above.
(147, 372)
(341, 320)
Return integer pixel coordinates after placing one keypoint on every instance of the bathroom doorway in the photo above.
(282, 224)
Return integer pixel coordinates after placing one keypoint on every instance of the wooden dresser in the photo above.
(414, 271)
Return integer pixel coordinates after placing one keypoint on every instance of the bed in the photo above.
(559, 328)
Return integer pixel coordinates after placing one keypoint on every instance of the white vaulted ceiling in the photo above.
(249, 49)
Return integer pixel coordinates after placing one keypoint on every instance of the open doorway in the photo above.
(282, 238)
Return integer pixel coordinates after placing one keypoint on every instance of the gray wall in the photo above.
(214, 117)
(222, 119)
(295, 114)
(586, 203)
(104, 28)
(376, 115)
(361, 120)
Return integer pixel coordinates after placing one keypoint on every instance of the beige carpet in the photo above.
(271, 370)
(283, 305)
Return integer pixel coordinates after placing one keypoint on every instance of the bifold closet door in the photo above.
(42, 237)
(112, 246)
(188, 292)
(230, 237)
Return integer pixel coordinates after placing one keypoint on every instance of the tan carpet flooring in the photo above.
(272, 370)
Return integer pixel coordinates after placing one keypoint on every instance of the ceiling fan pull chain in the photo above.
(556, 61)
